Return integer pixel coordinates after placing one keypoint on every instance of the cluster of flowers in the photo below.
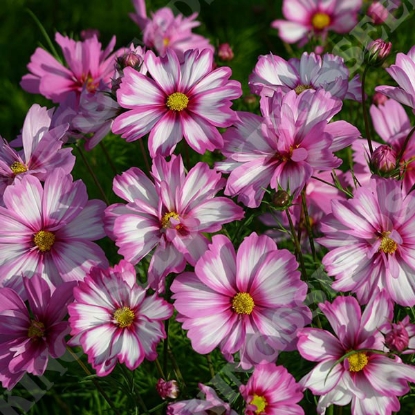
(249, 302)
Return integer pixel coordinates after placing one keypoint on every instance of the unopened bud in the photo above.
(281, 199)
(169, 389)
(379, 98)
(397, 339)
(377, 51)
(129, 59)
(383, 159)
(225, 52)
(377, 12)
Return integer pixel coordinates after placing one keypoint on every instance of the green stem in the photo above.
(398, 159)
(108, 157)
(308, 226)
(210, 364)
(144, 152)
(176, 368)
(91, 172)
(94, 381)
(133, 389)
(297, 247)
(160, 369)
(365, 114)
(330, 410)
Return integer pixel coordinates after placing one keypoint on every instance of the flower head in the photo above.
(377, 51)
(180, 99)
(353, 365)
(271, 390)
(114, 320)
(250, 301)
(29, 335)
(170, 214)
(167, 389)
(49, 230)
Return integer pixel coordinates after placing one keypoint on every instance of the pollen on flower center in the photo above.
(36, 329)
(320, 20)
(260, 402)
(165, 220)
(357, 361)
(89, 82)
(387, 245)
(177, 101)
(243, 303)
(44, 240)
(124, 317)
(18, 167)
(300, 88)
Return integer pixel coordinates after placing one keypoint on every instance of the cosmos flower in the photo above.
(49, 230)
(42, 150)
(87, 65)
(353, 365)
(249, 302)
(178, 99)
(28, 336)
(317, 17)
(312, 71)
(114, 320)
(164, 31)
(370, 240)
(271, 390)
(170, 214)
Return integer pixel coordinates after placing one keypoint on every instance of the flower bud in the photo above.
(383, 159)
(377, 12)
(225, 52)
(169, 389)
(281, 199)
(377, 51)
(397, 339)
(131, 59)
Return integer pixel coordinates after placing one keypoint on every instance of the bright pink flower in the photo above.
(316, 17)
(170, 214)
(29, 336)
(249, 302)
(403, 72)
(41, 153)
(371, 239)
(87, 65)
(167, 389)
(371, 381)
(271, 390)
(187, 99)
(49, 230)
(212, 404)
(114, 320)
(283, 149)
(328, 72)
(164, 31)
(379, 11)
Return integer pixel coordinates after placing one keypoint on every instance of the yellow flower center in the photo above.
(357, 361)
(260, 402)
(44, 240)
(166, 41)
(124, 317)
(90, 84)
(18, 167)
(36, 329)
(177, 101)
(387, 245)
(165, 220)
(320, 20)
(300, 88)
(243, 303)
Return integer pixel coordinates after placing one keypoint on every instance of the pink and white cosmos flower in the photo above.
(178, 99)
(114, 320)
(170, 214)
(328, 72)
(272, 390)
(49, 230)
(42, 150)
(403, 73)
(371, 242)
(317, 17)
(348, 369)
(164, 31)
(87, 65)
(28, 336)
(249, 302)
(284, 148)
